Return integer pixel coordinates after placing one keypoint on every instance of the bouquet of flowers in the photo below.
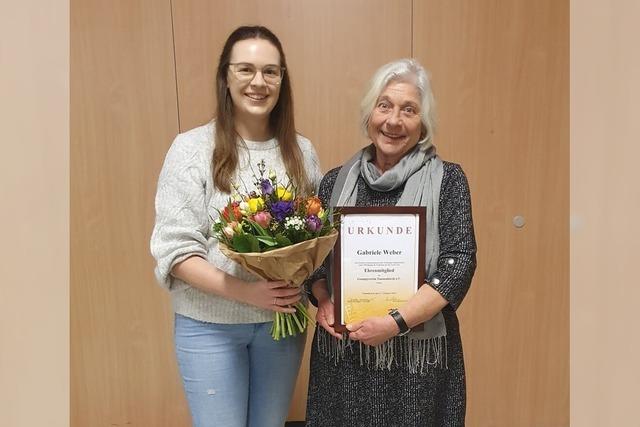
(277, 234)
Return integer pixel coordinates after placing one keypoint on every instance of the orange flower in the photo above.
(313, 205)
(235, 215)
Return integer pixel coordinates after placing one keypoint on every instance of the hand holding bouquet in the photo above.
(276, 234)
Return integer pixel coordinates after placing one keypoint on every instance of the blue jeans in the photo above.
(236, 374)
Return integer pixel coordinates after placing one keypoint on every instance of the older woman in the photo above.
(382, 373)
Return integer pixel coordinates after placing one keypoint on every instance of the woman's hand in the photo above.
(275, 296)
(373, 330)
(199, 273)
(324, 316)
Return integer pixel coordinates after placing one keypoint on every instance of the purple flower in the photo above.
(281, 209)
(313, 223)
(267, 188)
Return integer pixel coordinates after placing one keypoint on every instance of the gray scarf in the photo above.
(421, 172)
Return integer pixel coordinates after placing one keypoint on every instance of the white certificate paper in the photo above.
(380, 263)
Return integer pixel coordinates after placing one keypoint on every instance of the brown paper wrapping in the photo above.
(293, 264)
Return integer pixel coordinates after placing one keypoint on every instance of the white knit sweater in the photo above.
(185, 200)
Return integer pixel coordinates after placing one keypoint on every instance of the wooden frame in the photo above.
(337, 262)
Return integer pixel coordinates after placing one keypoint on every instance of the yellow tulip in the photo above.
(256, 205)
(283, 194)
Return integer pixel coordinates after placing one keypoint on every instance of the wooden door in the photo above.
(501, 81)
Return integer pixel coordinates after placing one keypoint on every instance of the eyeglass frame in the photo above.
(282, 70)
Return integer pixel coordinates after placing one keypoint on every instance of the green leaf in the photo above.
(267, 240)
(261, 231)
(282, 240)
(241, 243)
(253, 241)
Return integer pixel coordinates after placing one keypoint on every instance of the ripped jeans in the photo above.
(236, 374)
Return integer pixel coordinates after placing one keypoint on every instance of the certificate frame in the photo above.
(341, 261)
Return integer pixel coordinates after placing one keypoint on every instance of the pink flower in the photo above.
(263, 219)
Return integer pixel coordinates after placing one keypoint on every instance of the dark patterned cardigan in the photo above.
(436, 397)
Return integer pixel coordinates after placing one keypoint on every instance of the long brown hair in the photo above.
(225, 153)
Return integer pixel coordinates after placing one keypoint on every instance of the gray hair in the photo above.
(402, 70)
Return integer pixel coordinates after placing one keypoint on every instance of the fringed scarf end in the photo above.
(417, 355)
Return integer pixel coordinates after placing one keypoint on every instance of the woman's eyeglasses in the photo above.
(245, 72)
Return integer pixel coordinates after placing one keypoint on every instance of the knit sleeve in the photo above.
(457, 260)
(181, 226)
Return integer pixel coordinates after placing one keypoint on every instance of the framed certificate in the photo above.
(378, 260)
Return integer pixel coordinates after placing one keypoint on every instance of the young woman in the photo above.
(234, 373)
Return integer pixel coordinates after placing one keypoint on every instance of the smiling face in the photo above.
(395, 125)
(253, 99)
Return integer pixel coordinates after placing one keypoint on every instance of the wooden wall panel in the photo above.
(124, 116)
(500, 72)
(332, 49)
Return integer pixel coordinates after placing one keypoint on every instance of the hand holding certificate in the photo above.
(379, 261)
